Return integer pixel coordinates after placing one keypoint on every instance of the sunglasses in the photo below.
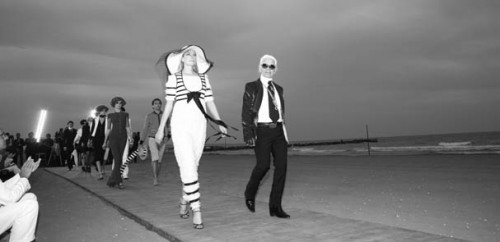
(265, 66)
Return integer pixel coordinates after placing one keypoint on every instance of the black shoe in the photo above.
(278, 212)
(250, 205)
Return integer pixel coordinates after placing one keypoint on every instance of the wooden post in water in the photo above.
(368, 140)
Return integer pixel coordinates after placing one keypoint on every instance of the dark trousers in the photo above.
(117, 146)
(67, 156)
(270, 142)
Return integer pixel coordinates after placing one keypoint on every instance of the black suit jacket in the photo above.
(68, 138)
(252, 99)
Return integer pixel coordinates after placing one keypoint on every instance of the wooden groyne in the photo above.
(295, 144)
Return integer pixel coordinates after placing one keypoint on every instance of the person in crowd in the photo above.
(18, 209)
(97, 136)
(118, 132)
(81, 143)
(19, 145)
(126, 151)
(31, 145)
(149, 129)
(10, 139)
(188, 94)
(57, 153)
(68, 136)
(46, 146)
(263, 127)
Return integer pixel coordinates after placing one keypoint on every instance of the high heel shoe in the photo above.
(184, 211)
(199, 225)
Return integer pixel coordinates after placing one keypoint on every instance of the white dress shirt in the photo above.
(264, 106)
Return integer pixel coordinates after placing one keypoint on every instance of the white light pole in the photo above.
(41, 123)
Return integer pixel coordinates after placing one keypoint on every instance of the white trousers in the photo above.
(21, 217)
(188, 135)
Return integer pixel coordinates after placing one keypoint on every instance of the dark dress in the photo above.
(98, 140)
(117, 141)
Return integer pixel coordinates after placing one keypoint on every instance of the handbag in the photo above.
(90, 144)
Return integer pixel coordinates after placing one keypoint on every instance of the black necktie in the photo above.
(273, 109)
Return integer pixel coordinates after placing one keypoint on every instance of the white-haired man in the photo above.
(263, 127)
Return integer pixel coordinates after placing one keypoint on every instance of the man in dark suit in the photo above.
(263, 127)
(69, 134)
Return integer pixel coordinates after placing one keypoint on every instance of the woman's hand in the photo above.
(223, 130)
(159, 137)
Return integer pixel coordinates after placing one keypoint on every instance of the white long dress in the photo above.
(188, 127)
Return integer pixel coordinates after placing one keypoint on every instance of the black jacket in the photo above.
(252, 98)
(68, 138)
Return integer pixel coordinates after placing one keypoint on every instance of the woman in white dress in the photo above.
(188, 95)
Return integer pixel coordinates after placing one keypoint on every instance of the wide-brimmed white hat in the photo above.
(172, 60)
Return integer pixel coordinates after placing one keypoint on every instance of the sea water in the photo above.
(460, 143)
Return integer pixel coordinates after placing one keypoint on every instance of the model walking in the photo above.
(118, 133)
(149, 129)
(69, 134)
(188, 94)
(98, 135)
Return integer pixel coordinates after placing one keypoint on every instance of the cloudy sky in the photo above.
(403, 67)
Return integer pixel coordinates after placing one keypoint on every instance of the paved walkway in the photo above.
(224, 215)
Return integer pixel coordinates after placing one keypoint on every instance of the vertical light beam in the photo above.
(41, 123)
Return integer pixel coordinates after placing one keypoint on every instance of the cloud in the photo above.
(386, 62)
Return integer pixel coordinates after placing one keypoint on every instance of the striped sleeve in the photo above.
(170, 88)
(209, 95)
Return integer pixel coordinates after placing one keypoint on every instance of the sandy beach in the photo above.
(452, 195)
